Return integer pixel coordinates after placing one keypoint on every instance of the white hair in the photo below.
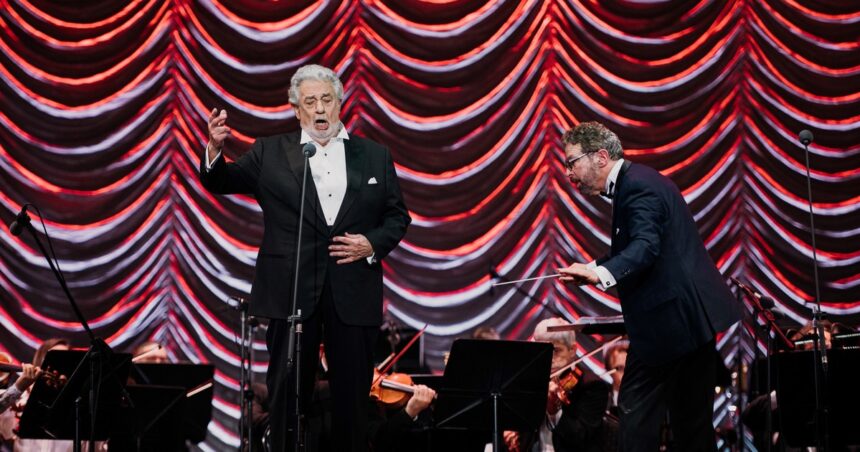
(542, 335)
(314, 72)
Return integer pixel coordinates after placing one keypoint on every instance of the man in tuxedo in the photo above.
(673, 298)
(354, 216)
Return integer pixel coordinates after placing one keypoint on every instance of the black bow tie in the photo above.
(611, 193)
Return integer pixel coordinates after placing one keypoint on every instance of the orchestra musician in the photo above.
(150, 352)
(614, 361)
(575, 410)
(390, 421)
(39, 445)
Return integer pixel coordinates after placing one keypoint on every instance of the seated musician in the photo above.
(486, 332)
(389, 425)
(150, 352)
(577, 425)
(614, 360)
(41, 445)
(14, 391)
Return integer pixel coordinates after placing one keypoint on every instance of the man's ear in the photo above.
(603, 155)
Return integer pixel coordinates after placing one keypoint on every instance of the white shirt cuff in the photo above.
(13, 393)
(371, 259)
(606, 278)
(209, 164)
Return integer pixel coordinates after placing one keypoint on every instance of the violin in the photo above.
(392, 390)
(7, 369)
(569, 376)
(565, 382)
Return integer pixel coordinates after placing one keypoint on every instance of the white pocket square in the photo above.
(372, 181)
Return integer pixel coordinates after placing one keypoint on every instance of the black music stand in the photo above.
(494, 385)
(796, 400)
(197, 408)
(155, 422)
(50, 412)
(606, 325)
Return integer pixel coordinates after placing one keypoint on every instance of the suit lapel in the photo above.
(619, 181)
(297, 165)
(354, 154)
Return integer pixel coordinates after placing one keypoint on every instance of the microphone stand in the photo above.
(739, 372)
(99, 351)
(771, 329)
(518, 287)
(246, 359)
(294, 347)
(819, 352)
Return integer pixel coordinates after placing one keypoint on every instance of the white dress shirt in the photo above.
(328, 168)
(606, 278)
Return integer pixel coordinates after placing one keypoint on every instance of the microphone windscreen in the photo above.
(16, 228)
(805, 136)
(309, 149)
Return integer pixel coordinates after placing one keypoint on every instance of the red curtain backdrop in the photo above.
(103, 123)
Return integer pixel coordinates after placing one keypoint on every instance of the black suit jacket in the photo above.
(673, 298)
(373, 206)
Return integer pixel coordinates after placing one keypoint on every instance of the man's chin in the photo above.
(322, 135)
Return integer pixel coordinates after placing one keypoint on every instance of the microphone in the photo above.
(805, 137)
(494, 276)
(21, 221)
(241, 303)
(766, 302)
(309, 150)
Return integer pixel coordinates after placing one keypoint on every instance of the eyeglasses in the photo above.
(570, 162)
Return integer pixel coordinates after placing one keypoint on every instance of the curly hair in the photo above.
(314, 72)
(593, 136)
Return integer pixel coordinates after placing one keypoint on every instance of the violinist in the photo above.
(41, 445)
(614, 360)
(29, 374)
(574, 414)
(390, 424)
(396, 404)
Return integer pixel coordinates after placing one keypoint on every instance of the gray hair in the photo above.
(314, 72)
(542, 335)
(592, 137)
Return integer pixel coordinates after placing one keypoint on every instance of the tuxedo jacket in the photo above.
(673, 298)
(373, 205)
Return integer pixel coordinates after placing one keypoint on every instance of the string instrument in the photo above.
(7, 369)
(393, 389)
(569, 376)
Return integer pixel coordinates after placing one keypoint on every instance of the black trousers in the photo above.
(349, 352)
(684, 387)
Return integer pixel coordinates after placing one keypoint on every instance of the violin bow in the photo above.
(584, 357)
(394, 360)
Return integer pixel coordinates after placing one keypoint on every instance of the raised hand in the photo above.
(218, 132)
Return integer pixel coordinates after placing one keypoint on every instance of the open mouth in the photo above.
(321, 124)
